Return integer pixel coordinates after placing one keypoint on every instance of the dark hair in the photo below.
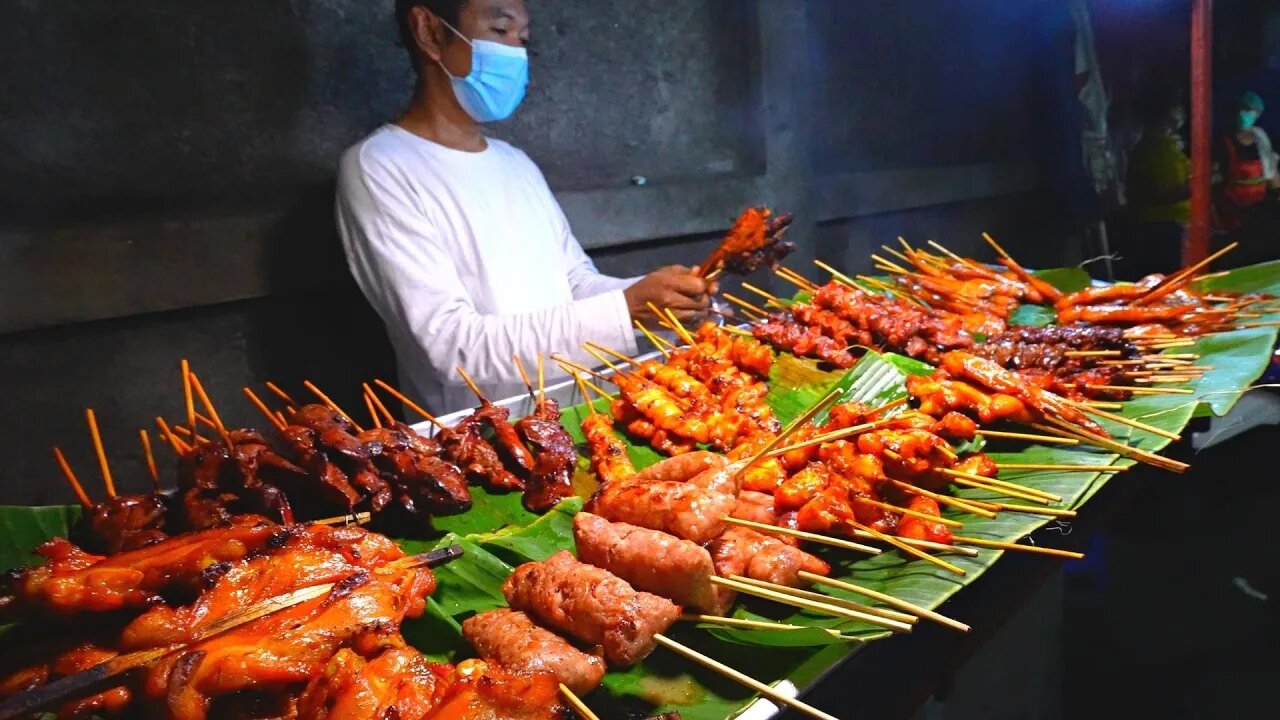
(447, 10)
(1157, 102)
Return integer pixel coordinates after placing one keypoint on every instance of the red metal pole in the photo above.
(1195, 245)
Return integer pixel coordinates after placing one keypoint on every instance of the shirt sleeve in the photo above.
(403, 264)
(1266, 153)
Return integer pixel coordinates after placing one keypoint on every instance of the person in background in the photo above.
(1158, 184)
(456, 239)
(1248, 166)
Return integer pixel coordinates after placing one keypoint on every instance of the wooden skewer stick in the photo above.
(262, 407)
(817, 597)
(831, 436)
(1054, 439)
(1060, 468)
(680, 328)
(1145, 390)
(746, 306)
(662, 318)
(811, 537)
(805, 603)
(604, 360)
(795, 425)
(373, 412)
(208, 406)
(187, 396)
(542, 381)
(763, 689)
(612, 353)
(892, 266)
(923, 544)
(179, 447)
(409, 403)
(1178, 279)
(579, 707)
(1119, 447)
(796, 277)
(471, 384)
(1092, 353)
(983, 482)
(906, 548)
(586, 397)
(1001, 545)
(1105, 405)
(524, 376)
(357, 519)
(1126, 421)
(658, 343)
(102, 455)
(836, 274)
(388, 418)
(965, 506)
(149, 457)
(1031, 510)
(330, 403)
(886, 599)
(758, 625)
(281, 394)
(910, 513)
(72, 480)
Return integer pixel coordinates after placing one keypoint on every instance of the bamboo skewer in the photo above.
(377, 402)
(680, 329)
(262, 407)
(1136, 390)
(787, 273)
(763, 689)
(1092, 353)
(909, 513)
(1035, 549)
(187, 397)
(758, 625)
(373, 412)
(980, 482)
(1057, 440)
(330, 403)
(1060, 468)
(1181, 277)
(208, 406)
(658, 343)
(149, 457)
(579, 707)
(905, 547)
(830, 436)
(811, 537)
(281, 394)
(753, 312)
(1032, 510)
(963, 505)
(409, 403)
(72, 480)
(524, 377)
(886, 599)
(806, 604)
(892, 615)
(586, 398)
(1126, 421)
(179, 448)
(1109, 444)
(102, 455)
(542, 381)
(471, 385)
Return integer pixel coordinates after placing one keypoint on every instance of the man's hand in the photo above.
(675, 287)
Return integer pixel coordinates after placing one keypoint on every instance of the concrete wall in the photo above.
(168, 179)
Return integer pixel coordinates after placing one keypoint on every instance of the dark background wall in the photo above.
(168, 167)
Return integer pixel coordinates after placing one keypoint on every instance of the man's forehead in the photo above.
(497, 10)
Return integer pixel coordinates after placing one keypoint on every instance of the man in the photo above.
(455, 238)
(1159, 188)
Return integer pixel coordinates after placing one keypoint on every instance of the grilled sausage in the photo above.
(592, 604)
(651, 561)
(509, 638)
(743, 551)
(677, 508)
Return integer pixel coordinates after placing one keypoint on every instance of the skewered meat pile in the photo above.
(754, 241)
(339, 654)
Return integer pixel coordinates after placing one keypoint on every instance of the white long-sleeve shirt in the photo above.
(469, 260)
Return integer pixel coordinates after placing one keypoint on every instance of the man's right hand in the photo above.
(675, 287)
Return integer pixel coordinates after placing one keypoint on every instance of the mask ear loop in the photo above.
(461, 36)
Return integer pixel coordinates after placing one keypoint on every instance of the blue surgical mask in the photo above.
(495, 86)
(1248, 118)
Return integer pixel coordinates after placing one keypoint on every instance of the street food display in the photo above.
(264, 577)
